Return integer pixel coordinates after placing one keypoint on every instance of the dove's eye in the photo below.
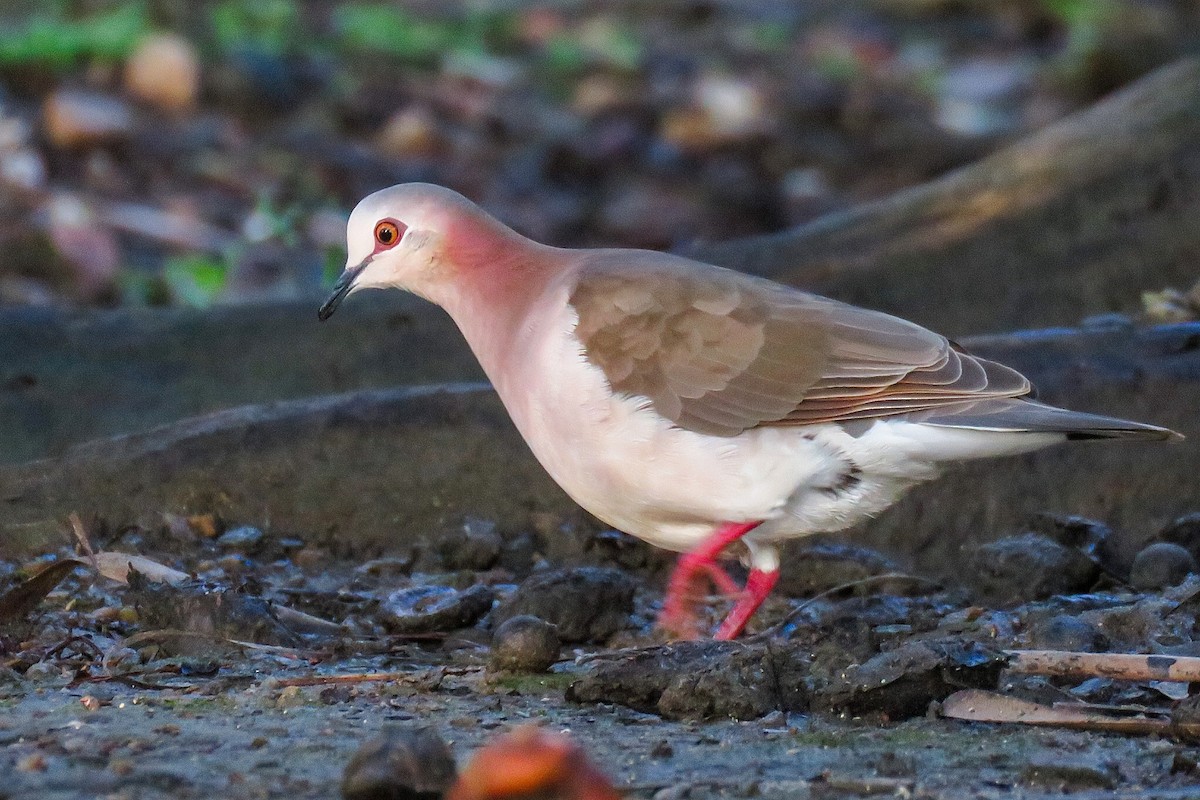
(387, 233)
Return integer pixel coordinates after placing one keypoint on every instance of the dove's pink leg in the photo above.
(677, 615)
(758, 585)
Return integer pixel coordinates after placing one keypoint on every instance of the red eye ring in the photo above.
(387, 233)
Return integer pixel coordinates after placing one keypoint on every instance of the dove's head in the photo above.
(425, 239)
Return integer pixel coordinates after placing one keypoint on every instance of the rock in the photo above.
(410, 132)
(1053, 771)
(401, 764)
(981, 96)
(1065, 632)
(1073, 530)
(1030, 567)
(724, 110)
(474, 545)
(813, 567)
(74, 118)
(1160, 565)
(83, 242)
(386, 568)
(585, 604)
(424, 609)
(699, 680)
(244, 539)
(524, 644)
(213, 611)
(1184, 531)
(164, 71)
(903, 682)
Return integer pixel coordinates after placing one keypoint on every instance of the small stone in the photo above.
(292, 697)
(1064, 775)
(1030, 567)
(524, 644)
(84, 242)
(1071, 530)
(75, 118)
(204, 525)
(1160, 565)
(474, 546)
(121, 767)
(244, 539)
(662, 749)
(584, 604)
(411, 132)
(23, 169)
(1064, 632)
(401, 764)
(235, 564)
(599, 93)
(386, 567)
(424, 609)
(164, 71)
(1184, 531)
(34, 762)
(817, 566)
(311, 559)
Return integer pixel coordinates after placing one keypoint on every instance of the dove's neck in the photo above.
(500, 287)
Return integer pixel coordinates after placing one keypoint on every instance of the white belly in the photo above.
(630, 467)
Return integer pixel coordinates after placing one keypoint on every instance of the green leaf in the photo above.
(195, 280)
(267, 25)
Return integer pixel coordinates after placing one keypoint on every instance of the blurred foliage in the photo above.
(386, 29)
(604, 42)
(51, 36)
(195, 279)
(333, 262)
(271, 26)
(1085, 22)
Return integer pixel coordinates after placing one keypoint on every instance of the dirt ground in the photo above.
(256, 741)
(222, 681)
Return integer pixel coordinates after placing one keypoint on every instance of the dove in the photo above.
(698, 408)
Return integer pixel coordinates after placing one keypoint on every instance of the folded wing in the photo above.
(720, 352)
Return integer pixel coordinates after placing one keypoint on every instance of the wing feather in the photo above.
(720, 352)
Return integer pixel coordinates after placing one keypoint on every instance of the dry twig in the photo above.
(1121, 666)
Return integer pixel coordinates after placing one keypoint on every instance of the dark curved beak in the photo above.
(340, 290)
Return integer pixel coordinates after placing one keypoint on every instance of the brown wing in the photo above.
(719, 352)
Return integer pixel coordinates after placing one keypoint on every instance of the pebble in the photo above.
(1160, 565)
(818, 566)
(84, 242)
(725, 109)
(401, 764)
(1030, 566)
(524, 644)
(474, 546)
(75, 118)
(1072, 530)
(1066, 775)
(243, 539)
(1184, 531)
(424, 609)
(164, 71)
(1064, 632)
(585, 604)
(410, 132)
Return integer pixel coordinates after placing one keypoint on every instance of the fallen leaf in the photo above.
(977, 705)
(24, 597)
(117, 566)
